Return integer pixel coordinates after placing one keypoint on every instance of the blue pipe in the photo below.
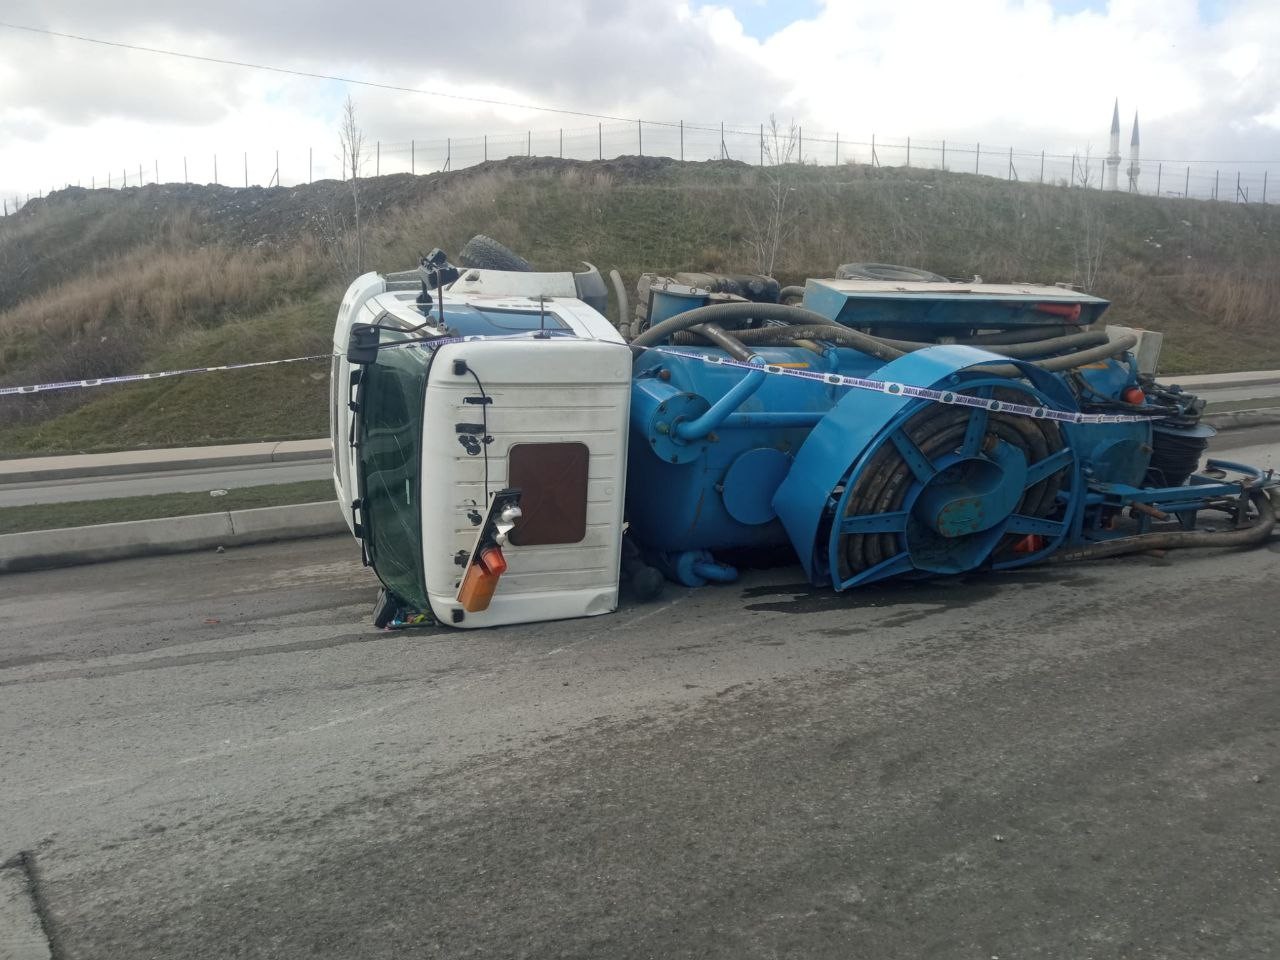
(720, 410)
(714, 571)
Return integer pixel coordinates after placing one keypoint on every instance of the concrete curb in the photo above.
(37, 469)
(71, 546)
(1240, 419)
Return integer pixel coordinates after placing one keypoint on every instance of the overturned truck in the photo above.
(504, 453)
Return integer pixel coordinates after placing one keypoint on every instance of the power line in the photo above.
(318, 76)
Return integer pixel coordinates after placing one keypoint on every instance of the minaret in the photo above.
(1135, 168)
(1113, 157)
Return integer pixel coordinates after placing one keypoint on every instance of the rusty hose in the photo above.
(1180, 539)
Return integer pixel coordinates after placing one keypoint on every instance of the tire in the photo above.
(485, 253)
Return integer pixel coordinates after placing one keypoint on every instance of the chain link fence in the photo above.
(1237, 181)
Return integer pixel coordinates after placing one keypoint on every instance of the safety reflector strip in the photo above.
(951, 397)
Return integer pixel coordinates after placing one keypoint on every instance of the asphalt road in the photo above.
(216, 756)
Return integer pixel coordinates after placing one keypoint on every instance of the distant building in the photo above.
(1111, 178)
(1113, 155)
(1135, 166)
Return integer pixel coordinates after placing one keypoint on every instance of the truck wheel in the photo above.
(485, 253)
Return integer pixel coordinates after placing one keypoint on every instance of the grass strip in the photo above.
(80, 513)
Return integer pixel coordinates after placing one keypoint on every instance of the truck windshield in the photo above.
(391, 398)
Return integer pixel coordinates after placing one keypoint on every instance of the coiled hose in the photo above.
(882, 484)
(808, 325)
(726, 313)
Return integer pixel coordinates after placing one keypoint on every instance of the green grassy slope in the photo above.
(93, 283)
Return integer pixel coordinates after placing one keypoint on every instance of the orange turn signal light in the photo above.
(481, 579)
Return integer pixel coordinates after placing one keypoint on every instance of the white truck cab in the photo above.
(500, 385)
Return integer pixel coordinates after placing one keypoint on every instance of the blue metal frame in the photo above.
(1054, 531)
(864, 421)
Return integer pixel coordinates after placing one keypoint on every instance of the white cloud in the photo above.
(1004, 72)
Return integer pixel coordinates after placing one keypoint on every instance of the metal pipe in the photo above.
(720, 410)
(1180, 539)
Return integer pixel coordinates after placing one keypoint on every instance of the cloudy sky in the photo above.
(1035, 74)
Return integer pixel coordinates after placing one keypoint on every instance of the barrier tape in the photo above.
(160, 375)
(829, 379)
(923, 393)
(134, 377)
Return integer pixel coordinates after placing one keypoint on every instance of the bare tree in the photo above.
(771, 214)
(1090, 242)
(1084, 168)
(351, 139)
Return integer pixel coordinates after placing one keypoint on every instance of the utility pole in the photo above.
(640, 136)
(681, 141)
(977, 157)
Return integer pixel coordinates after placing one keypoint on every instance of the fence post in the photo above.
(1072, 182)
(977, 156)
(1186, 187)
(528, 143)
(246, 168)
(1012, 172)
(184, 170)
(762, 144)
(124, 179)
(640, 136)
(837, 148)
(908, 151)
(944, 154)
(875, 159)
(1264, 186)
(1246, 199)
(448, 153)
(562, 143)
(724, 151)
(215, 170)
(310, 165)
(377, 159)
(486, 148)
(93, 183)
(682, 141)
(1159, 173)
(599, 141)
(139, 174)
(413, 157)
(1042, 166)
(1215, 184)
(800, 142)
